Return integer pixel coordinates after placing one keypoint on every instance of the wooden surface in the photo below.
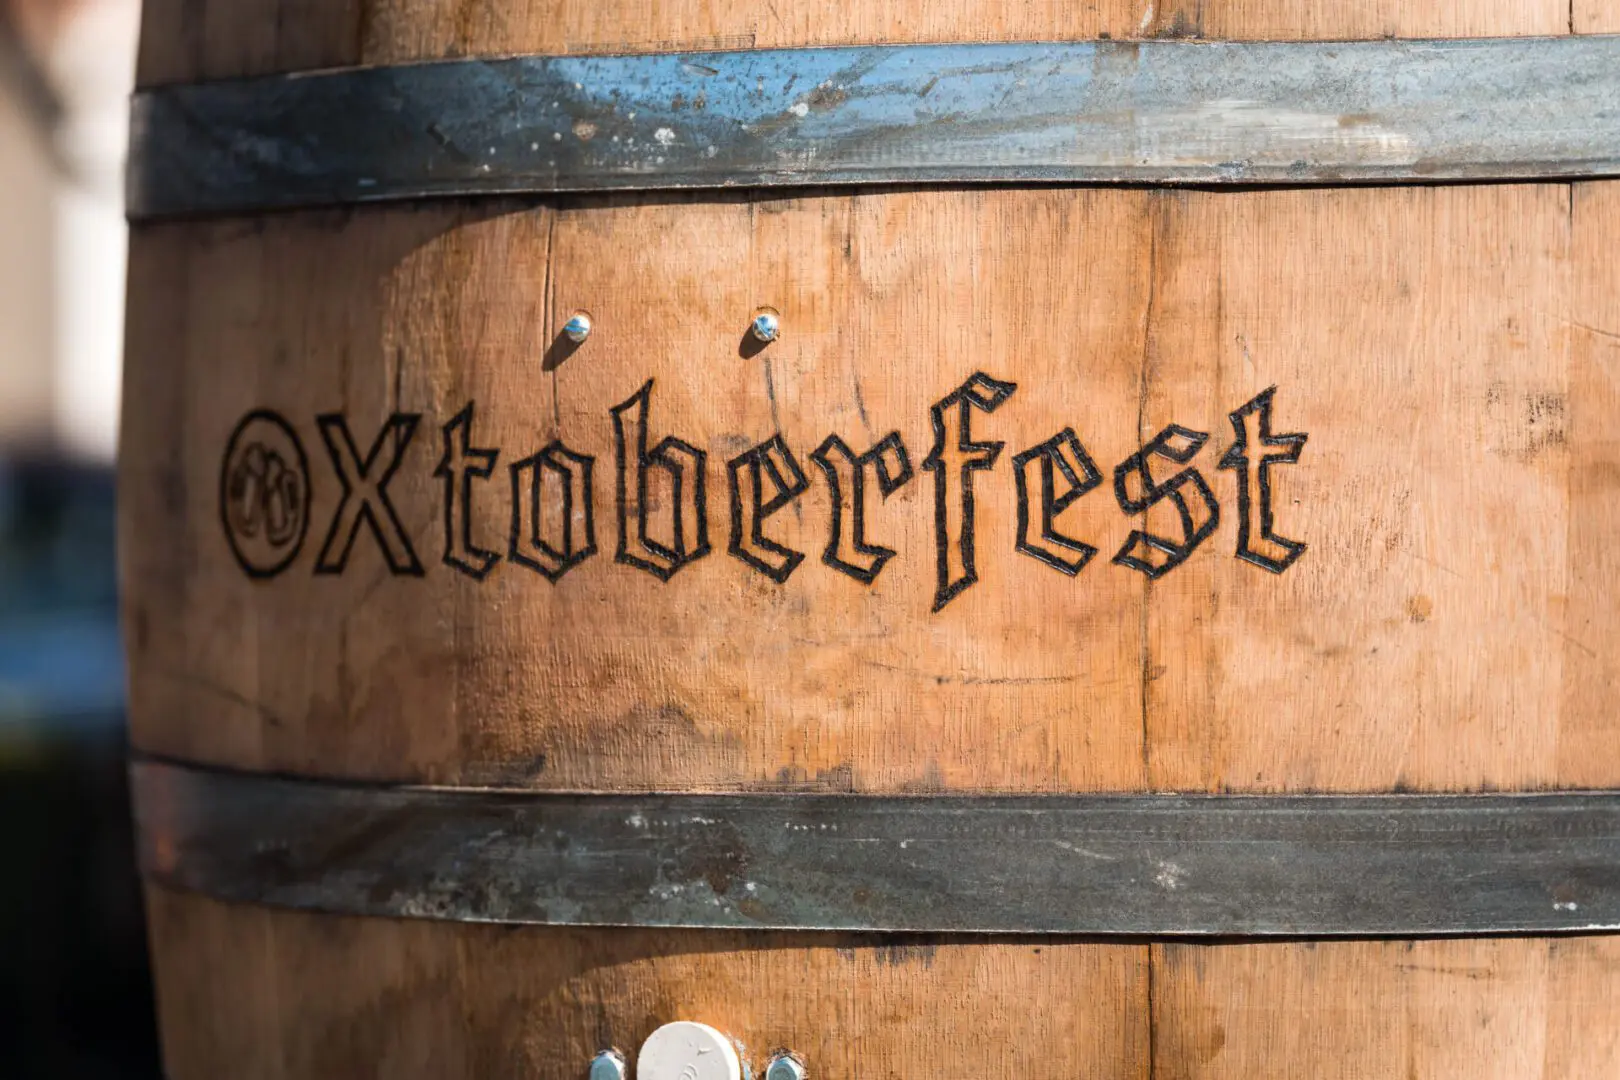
(1594, 17)
(1426, 639)
(1449, 351)
(1591, 673)
(1446, 630)
(184, 39)
(236, 988)
(487, 1003)
(1502, 1010)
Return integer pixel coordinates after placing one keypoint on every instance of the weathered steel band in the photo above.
(1093, 112)
(1138, 865)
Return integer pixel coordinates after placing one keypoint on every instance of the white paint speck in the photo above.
(799, 108)
(710, 152)
(750, 886)
(1568, 905)
(534, 146)
(1169, 875)
(664, 137)
(1066, 846)
(556, 136)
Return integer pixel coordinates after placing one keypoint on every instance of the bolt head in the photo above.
(608, 1065)
(767, 326)
(784, 1067)
(578, 327)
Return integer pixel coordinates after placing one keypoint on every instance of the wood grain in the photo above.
(1430, 331)
(611, 679)
(1507, 1009)
(409, 999)
(187, 40)
(417, 999)
(1449, 351)
(1594, 17)
(1591, 677)
(1445, 348)
(1421, 642)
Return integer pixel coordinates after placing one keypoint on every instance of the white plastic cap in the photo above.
(686, 1050)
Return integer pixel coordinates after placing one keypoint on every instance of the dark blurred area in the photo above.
(75, 987)
(75, 996)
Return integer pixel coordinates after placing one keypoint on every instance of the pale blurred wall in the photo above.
(28, 180)
(63, 134)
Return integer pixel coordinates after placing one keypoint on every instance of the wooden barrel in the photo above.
(1047, 524)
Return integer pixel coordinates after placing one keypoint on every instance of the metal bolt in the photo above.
(784, 1066)
(767, 325)
(578, 327)
(608, 1065)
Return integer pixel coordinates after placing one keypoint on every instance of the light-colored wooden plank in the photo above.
(183, 40)
(1426, 327)
(1592, 670)
(340, 997)
(1536, 274)
(1508, 1009)
(1328, 19)
(1594, 17)
(1583, 1002)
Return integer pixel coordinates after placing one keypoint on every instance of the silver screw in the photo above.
(578, 327)
(767, 325)
(608, 1065)
(784, 1066)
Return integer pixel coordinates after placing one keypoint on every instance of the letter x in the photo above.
(365, 494)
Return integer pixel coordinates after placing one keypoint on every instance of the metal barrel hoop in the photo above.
(1096, 112)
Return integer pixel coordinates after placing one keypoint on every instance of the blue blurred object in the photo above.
(62, 669)
(61, 662)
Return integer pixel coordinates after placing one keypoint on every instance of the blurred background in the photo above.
(75, 999)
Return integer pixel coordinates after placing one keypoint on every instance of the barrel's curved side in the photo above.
(1436, 334)
(1443, 352)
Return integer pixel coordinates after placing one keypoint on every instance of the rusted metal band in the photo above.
(1159, 112)
(1261, 866)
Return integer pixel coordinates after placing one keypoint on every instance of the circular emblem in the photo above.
(264, 493)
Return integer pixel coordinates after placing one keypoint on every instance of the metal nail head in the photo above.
(767, 325)
(578, 327)
(608, 1065)
(784, 1066)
